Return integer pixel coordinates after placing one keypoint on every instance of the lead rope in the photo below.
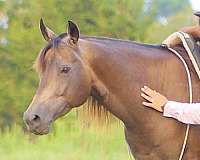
(190, 98)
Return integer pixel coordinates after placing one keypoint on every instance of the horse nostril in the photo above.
(36, 118)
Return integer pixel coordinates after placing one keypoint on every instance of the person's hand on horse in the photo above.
(155, 99)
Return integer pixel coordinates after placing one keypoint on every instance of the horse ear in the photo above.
(46, 32)
(73, 31)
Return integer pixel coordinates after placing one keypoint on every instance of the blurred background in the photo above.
(148, 21)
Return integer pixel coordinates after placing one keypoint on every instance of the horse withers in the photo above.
(73, 68)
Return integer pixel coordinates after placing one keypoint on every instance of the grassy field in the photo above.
(69, 140)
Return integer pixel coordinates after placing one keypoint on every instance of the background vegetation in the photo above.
(148, 21)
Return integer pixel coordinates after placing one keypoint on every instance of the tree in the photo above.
(125, 19)
(168, 8)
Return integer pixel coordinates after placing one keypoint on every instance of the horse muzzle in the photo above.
(36, 124)
(39, 117)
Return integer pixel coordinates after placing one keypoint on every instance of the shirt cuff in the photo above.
(171, 109)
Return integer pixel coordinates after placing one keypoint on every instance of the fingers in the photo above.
(148, 91)
(147, 104)
(146, 97)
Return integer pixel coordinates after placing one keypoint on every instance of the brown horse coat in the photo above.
(113, 71)
(123, 68)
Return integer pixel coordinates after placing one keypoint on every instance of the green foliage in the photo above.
(125, 19)
(114, 18)
(157, 32)
(170, 7)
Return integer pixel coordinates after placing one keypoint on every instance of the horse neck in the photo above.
(116, 78)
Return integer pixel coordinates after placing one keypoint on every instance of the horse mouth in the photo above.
(39, 121)
(40, 132)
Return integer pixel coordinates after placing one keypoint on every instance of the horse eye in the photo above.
(65, 69)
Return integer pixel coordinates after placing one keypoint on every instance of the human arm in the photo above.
(194, 31)
(183, 112)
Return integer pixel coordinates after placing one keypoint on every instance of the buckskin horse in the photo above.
(74, 67)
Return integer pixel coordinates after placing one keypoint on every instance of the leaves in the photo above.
(124, 19)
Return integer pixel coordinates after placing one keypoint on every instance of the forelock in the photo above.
(40, 62)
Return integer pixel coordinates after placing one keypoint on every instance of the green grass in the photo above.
(69, 140)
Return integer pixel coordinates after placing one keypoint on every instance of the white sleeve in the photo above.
(183, 112)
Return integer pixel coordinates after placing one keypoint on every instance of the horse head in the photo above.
(65, 81)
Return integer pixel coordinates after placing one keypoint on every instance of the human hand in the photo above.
(156, 100)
